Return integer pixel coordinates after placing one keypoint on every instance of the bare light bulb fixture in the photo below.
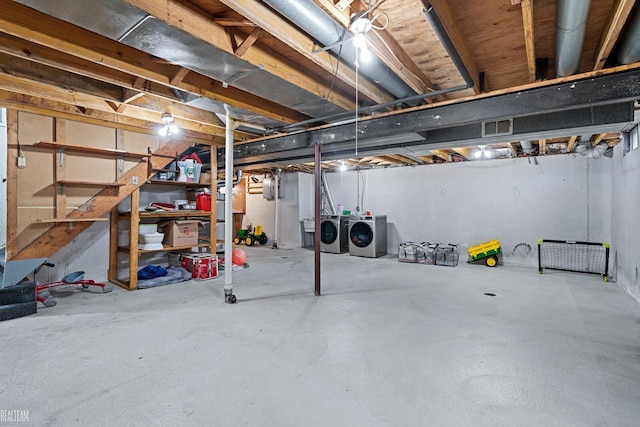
(169, 125)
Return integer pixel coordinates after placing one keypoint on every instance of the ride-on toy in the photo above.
(487, 252)
(75, 278)
(250, 236)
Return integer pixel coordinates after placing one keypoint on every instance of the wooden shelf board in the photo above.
(126, 249)
(168, 214)
(55, 220)
(182, 184)
(88, 149)
(90, 183)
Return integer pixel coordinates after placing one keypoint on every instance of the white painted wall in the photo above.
(515, 201)
(626, 215)
(262, 212)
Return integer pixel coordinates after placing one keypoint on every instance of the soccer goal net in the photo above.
(581, 257)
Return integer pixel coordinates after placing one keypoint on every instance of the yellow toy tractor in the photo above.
(249, 236)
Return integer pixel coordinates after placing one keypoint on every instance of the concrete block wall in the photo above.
(515, 201)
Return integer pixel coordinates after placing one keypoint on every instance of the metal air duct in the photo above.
(570, 28)
(630, 49)
(310, 17)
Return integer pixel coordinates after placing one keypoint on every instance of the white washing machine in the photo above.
(368, 236)
(334, 231)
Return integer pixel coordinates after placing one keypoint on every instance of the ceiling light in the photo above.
(169, 126)
(166, 118)
(343, 167)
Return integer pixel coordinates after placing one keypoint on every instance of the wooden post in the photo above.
(60, 169)
(12, 183)
(133, 239)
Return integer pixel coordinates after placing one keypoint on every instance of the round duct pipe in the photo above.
(311, 19)
(630, 49)
(571, 24)
(527, 147)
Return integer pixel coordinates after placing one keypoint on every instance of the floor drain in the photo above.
(489, 294)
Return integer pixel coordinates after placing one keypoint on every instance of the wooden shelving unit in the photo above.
(134, 218)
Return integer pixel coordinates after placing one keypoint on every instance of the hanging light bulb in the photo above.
(365, 55)
(169, 125)
(343, 167)
(359, 41)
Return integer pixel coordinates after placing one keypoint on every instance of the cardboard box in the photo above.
(180, 232)
(205, 178)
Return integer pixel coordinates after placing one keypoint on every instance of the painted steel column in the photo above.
(230, 125)
(276, 214)
(316, 215)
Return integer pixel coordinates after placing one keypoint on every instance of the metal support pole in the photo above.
(230, 125)
(276, 214)
(316, 216)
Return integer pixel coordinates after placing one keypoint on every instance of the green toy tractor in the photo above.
(250, 236)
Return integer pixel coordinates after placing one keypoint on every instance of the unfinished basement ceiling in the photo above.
(263, 63)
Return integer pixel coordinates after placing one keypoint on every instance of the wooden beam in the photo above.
(179, 76)
(542, 146)
(185, 17)
(18, 20)
(443, 154)
(597, 138)
(232, 22)
(47, 107)
(571, 143)
(248, 42)
(611, 32)
(281, 29)
(12, 183)
(512, 148)
(129, 95)
(529, 37)
(388, 50)
(66, 87)
(448, 20)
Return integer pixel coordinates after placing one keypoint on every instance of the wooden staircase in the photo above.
(66, 229)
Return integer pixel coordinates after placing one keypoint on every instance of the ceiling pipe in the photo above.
(310, 17)
(527, 147)
(630, 49)
(571, 24)
(442, 34)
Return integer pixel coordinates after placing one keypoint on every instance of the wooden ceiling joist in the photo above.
(448, 20)
(184, 17)
(17, 20)
(388, 50)
(282, 30)
(571, 143)
(248, 42)
(465, 152)
(612, 32)
(529, 37)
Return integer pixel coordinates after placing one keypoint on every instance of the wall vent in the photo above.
(496, 128)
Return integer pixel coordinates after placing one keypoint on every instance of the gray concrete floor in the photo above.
(388, 344)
